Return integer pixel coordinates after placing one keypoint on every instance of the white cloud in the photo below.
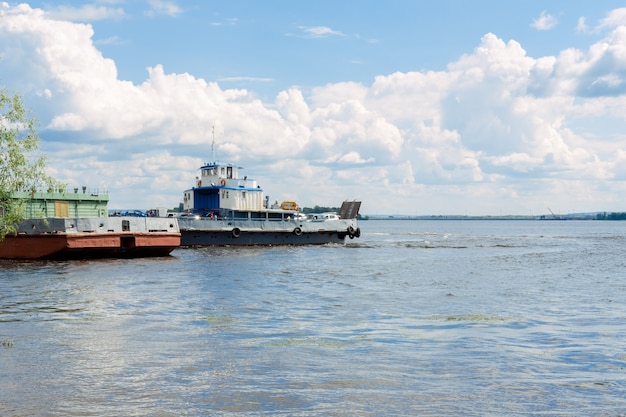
(616, 17)
(163, 8)
(497, 129)
(113, 40)
(319, 31)
(545, 21)
(85, 13)
(225, 22)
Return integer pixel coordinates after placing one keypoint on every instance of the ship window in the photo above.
(125, 225)
(243, 195)
(229, 172)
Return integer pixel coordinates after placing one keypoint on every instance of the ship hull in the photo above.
(201, 232)
(61, 238)
(83, 245)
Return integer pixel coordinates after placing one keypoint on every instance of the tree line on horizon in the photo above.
(611, 216)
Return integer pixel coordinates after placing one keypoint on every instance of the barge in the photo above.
(66, 225)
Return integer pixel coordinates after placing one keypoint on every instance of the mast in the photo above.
(213, 144)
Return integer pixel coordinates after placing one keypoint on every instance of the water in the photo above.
(428, 318)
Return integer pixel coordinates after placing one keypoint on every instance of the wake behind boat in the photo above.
(223, 209)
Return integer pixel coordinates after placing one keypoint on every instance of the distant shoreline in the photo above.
(579, 216)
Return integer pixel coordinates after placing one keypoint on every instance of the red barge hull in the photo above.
(85, 245)
(91, 238)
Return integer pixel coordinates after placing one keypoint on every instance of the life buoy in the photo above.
(199, 183)
(297, 231)
(222, 181)
(236, 232)
(351, 230)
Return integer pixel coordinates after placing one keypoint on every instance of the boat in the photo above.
(65, 225)
(224, 209)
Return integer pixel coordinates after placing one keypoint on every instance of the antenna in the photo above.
(213, 144)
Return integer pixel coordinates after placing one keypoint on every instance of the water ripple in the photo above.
(501, 318)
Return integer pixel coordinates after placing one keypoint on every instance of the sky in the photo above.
(412, 107)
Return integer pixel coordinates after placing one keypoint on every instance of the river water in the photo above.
(415, 318)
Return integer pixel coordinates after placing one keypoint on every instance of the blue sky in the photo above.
(447, 107)
(271, 46)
